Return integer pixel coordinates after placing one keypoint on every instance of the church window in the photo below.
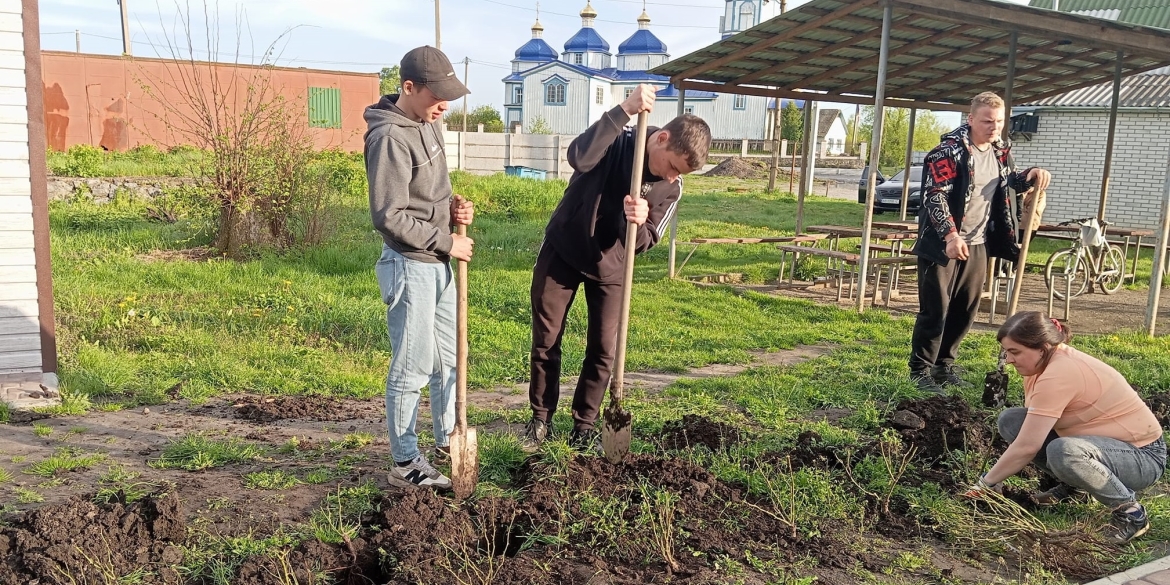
(740, 102)
(747, 16)
(554, 93)
(629, 91)
(515, 67)
(578, 58)
(600, 93)
(518, 95)
(689, 109)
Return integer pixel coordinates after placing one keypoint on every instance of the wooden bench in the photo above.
(894, 263)
(841, 259)
(803, 239)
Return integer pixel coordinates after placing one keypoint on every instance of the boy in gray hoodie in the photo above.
(413, 209)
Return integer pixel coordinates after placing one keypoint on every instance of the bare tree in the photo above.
(258, 144)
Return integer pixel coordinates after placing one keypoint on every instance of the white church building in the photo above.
(567, 92)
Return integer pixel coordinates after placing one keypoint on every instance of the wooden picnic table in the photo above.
(802, 239)
(905, 226)
(839, 231)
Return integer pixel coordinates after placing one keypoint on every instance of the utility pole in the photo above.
(77, 38)
(126, 28)
(438, 35)
(783, 6)
(466, 62)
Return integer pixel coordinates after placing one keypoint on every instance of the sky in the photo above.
(366, 35)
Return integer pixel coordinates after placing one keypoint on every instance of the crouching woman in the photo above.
(1081, 423)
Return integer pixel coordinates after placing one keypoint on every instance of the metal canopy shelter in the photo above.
(923, 54)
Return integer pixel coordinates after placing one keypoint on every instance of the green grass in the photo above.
(118, 484)
(63, 461)
(196, 452)
(41, 430)
(5, 475)
(143, 161)
(27, 496)
(133, 326)
(270, 480)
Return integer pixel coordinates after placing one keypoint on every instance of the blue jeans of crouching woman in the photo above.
(1108, 469)
(420, 316)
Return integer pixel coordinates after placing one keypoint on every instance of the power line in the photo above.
(599, 19)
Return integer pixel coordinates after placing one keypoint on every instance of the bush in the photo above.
(81, 160)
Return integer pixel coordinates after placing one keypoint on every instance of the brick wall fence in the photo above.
(1071, 144)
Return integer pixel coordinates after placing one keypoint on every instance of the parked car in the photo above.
(889, 191)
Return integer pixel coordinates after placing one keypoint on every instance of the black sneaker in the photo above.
(926, 383)
(1126, 525)
(535, 432)
(585, 440)
(1060, 494)
(948, 375)
(418, 473)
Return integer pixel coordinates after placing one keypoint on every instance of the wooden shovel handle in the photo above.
(1030, 223)
(461, 345)
(616, 386)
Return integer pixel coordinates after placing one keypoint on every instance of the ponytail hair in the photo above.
(1034, 330)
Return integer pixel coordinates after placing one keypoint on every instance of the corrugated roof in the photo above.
(1138, 91)
(825, 119)
(1144, 12)
(942, 52)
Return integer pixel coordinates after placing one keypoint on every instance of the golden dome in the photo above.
(588, 11)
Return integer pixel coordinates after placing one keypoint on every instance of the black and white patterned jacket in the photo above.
(947, 186)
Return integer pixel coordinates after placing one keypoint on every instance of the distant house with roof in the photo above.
(1067, 133)
(571, 90)
(831, 132)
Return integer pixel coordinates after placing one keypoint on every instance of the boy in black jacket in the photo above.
(584, 243)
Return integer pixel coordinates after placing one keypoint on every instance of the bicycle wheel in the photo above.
(1112, 274)
(1063, 262)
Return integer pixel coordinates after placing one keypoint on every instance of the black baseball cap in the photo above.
(430, 67)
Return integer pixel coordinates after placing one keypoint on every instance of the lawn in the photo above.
(146, 319)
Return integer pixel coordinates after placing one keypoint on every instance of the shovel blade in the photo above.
(616, 430)
(464, 461)
(995, 385)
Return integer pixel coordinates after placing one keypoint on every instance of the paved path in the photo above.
(1152, 573)
(23, 393)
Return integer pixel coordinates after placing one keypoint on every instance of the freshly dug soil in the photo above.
(695, 430)
(940, 424)
(78, 542)
(264, 410)
(741, 168)
(1160, 404)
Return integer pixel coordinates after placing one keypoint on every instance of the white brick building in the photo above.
(1070, 140)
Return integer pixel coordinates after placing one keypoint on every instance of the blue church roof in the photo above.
(642, 42)
(692, 94)
(586, 39)
(536, 50)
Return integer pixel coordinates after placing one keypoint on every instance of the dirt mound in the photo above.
(80, 542)
(265, 410)
(695, 430)
(940, 424)
(741, 168)
(1160, 405)
(568, 527)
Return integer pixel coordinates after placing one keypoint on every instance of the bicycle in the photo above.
(1090, 259)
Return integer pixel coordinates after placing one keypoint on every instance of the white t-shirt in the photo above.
(978, 210)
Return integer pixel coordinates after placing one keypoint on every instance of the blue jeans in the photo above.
(1110, 470)
(420, 316)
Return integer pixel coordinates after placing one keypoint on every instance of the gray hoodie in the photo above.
(410, 191)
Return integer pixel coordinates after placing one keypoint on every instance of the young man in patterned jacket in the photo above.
(966, 217)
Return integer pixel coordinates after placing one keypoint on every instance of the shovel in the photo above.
(995, 385)
(464, 448)
(616, 422)
(1031, 222)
